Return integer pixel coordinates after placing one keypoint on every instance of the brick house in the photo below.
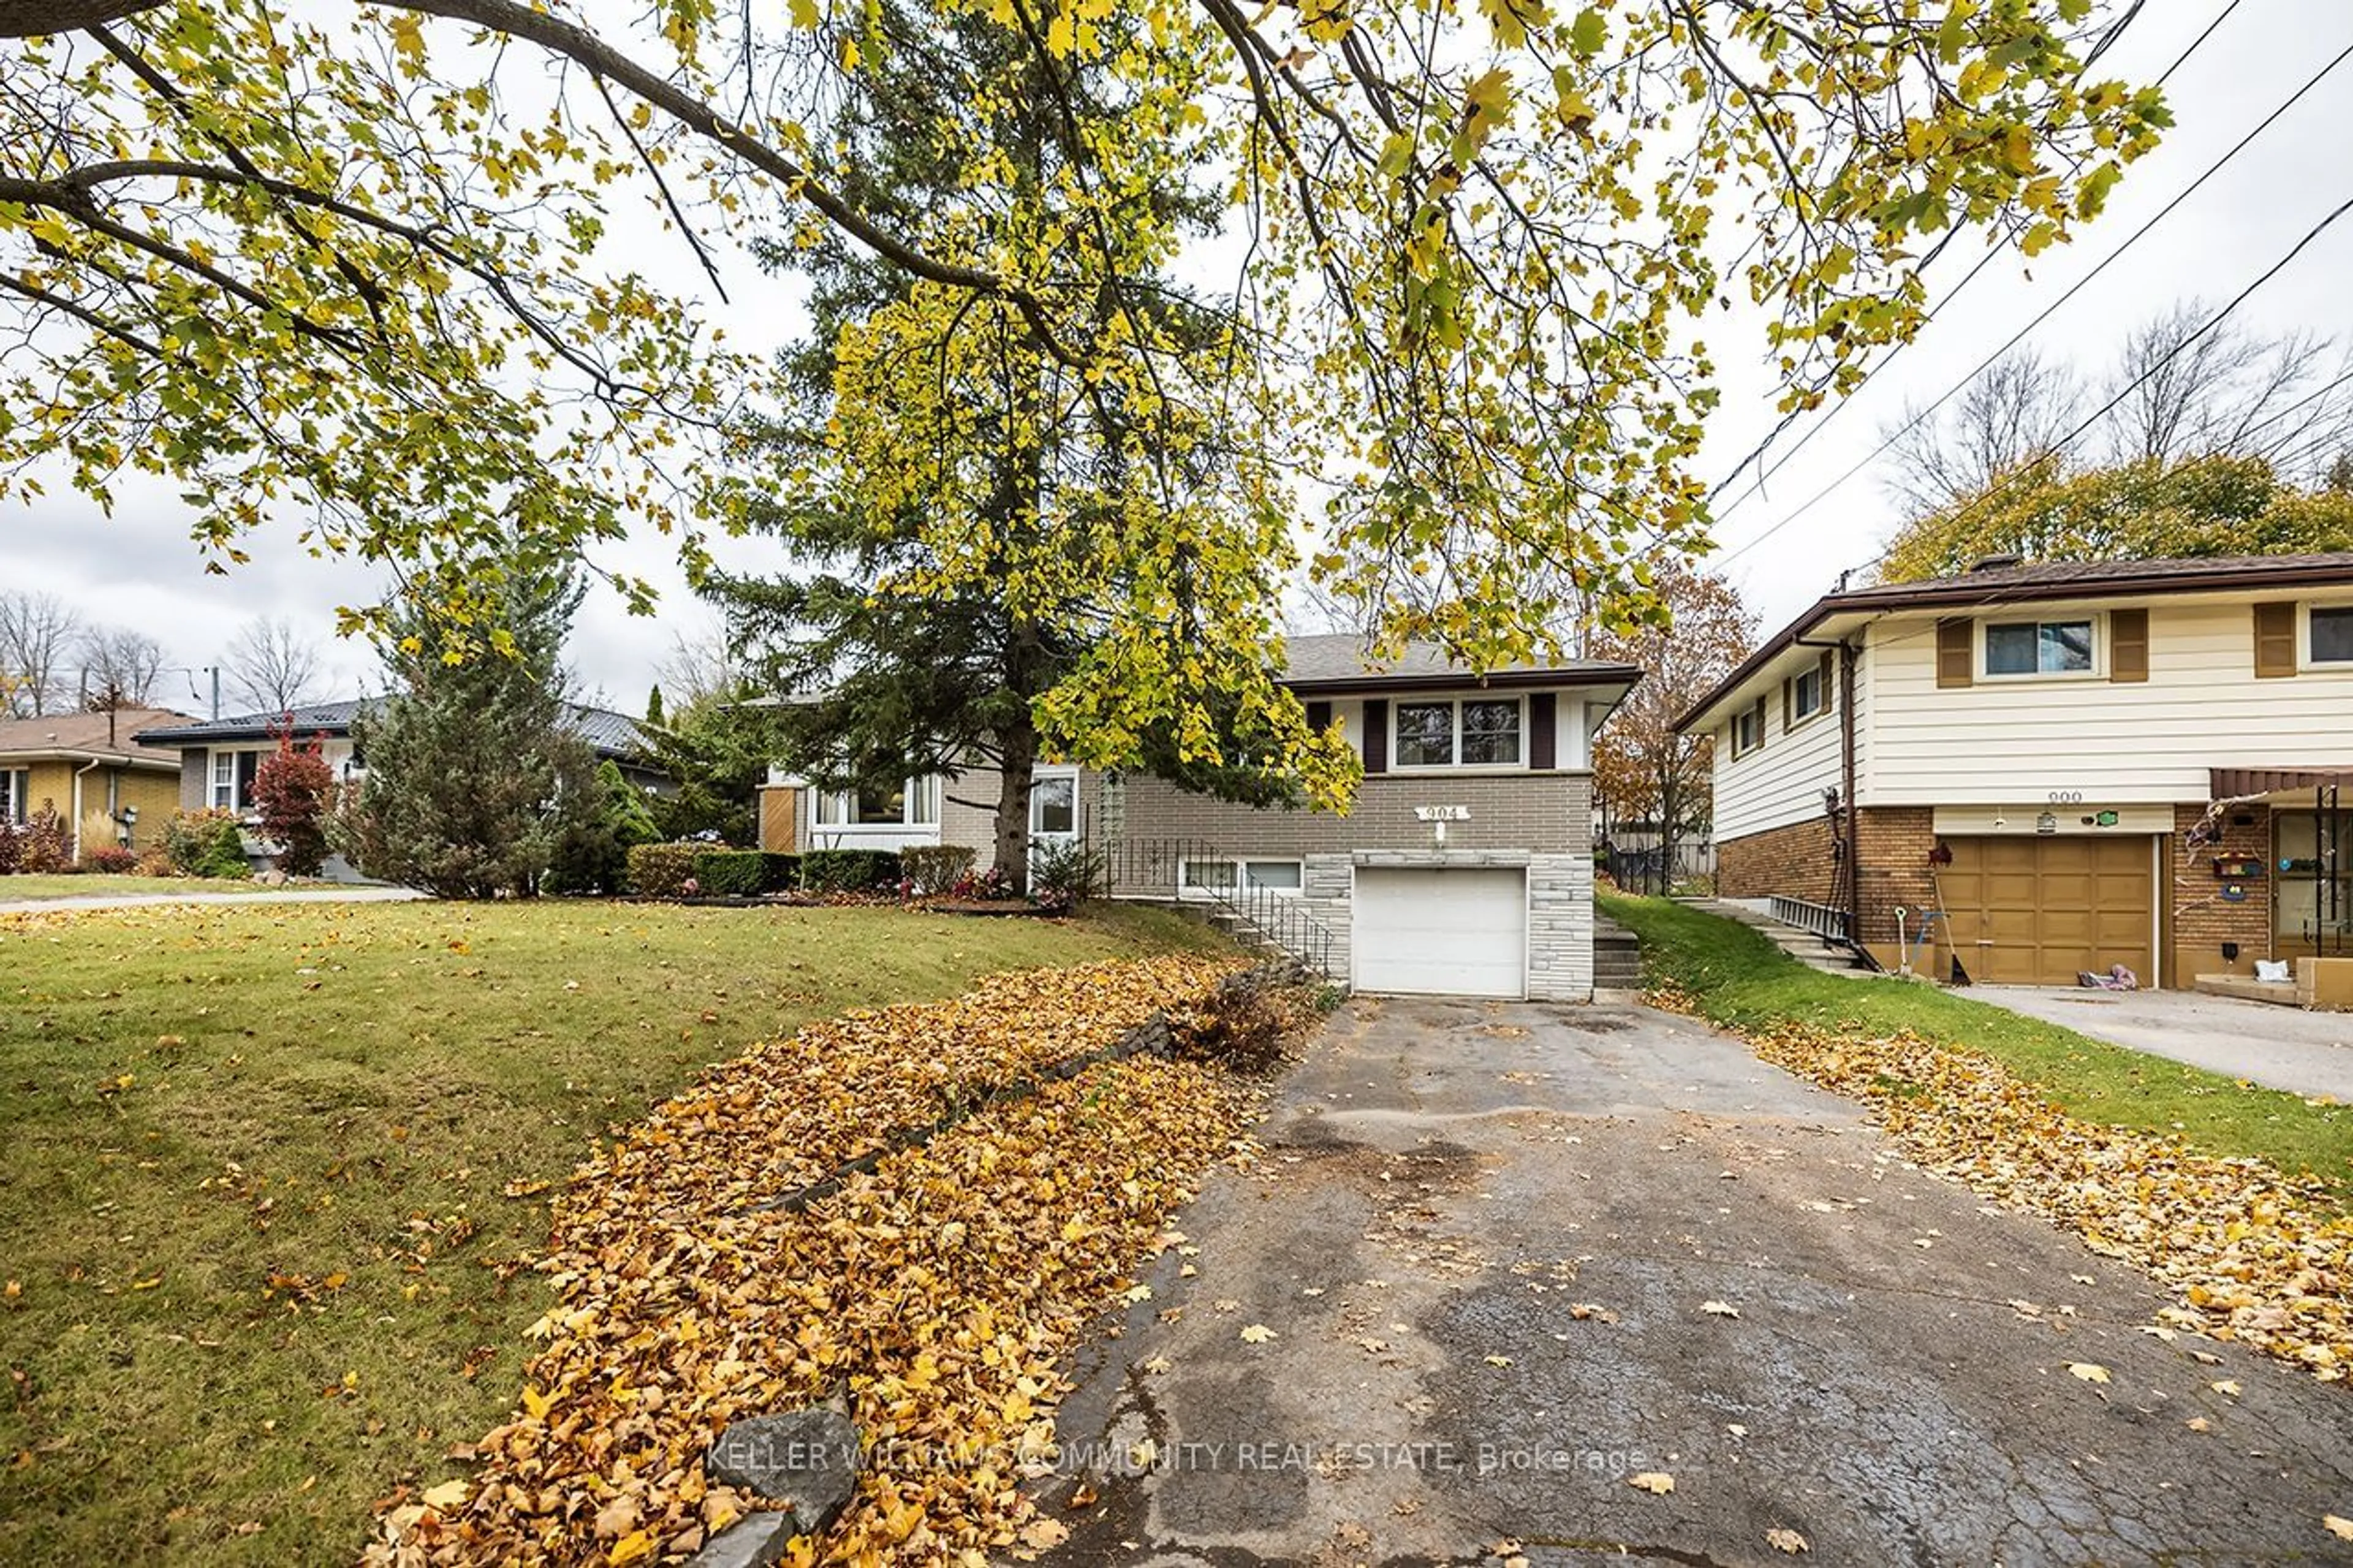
(1464, 869)
(80, 763)
(2069, 765)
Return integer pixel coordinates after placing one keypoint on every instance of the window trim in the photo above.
(1237, 869)
(1753, 711)
(239, 782)
(1455, 764)
(1821, 697)
(2095, 620)
(1050, 775)
(15, 784)
(918, 807)
(2305, 661)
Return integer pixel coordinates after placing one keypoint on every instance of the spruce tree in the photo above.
(475, 766)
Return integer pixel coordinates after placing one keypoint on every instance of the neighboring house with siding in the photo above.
(215, 760)
(2073, 765)
(1495, 900)
(84, 763)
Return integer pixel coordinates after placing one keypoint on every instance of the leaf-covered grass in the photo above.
(253, 1190)
(25, 887)
(1737, 979)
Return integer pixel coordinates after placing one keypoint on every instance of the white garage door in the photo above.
(1432, 933)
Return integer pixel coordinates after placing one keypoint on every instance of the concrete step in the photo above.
(1804, 946)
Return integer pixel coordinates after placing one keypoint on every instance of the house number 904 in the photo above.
(2066, 797)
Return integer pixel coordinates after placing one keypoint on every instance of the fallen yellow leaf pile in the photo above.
(2254, 1256)
(937, 1292)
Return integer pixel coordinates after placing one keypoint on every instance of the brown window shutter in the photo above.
(2128, 645)
(1319, 716)
(1829, 701)
(1788, 703)
(2275, 640)
(1542, 708)
(1957, 654)
(1377, 735)
(1760, 726)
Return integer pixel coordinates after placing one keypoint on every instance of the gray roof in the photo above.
(2169, 572)
(612, 735)
(1341, 659)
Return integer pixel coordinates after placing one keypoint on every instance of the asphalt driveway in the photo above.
(2279, 1048)
(1489, 1271)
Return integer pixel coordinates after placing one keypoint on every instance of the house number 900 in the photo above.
(2066, 797)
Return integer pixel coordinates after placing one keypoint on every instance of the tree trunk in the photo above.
(1020, 750)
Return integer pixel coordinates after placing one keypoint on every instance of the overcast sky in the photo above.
(139, 568)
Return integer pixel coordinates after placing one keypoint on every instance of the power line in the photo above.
(1756, 456)
(1998, 491)
(2186, 53)
(2048, 311)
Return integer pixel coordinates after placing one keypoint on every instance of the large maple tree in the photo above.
(351, 265)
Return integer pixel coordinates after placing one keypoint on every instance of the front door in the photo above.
(1054, 823)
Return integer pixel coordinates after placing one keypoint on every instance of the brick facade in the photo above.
(1797, 861)
(2204, 919)
(1892, 845)
(1546, 814)
(1801, 861)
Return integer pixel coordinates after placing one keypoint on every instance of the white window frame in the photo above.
(1056, 775)
(15, 784)
(1454, 745)
(1237, 869)
(2305, 661)
(2095, 620)
(220, 795)
(1813, 672)
(919, 806)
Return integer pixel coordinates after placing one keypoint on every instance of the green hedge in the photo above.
(206, 844)
(779, 873)
(934, 869)
(848, 870)
(728, 873)
(661, 871)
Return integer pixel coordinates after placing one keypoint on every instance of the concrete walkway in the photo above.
(2279, 1048)
(354, 894)
(1499, 1260)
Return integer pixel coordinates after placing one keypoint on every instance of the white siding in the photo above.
(2108, 742)
(1783, 780)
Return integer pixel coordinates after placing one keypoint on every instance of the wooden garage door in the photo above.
(2040, 912)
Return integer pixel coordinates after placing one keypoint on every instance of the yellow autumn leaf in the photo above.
(2090, 1371)
(1657, 1482)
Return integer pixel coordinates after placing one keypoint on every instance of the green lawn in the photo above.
(1740, 980)
(17, 889)
(268, 1169)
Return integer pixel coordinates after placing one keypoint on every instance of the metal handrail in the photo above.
(1157, 864)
